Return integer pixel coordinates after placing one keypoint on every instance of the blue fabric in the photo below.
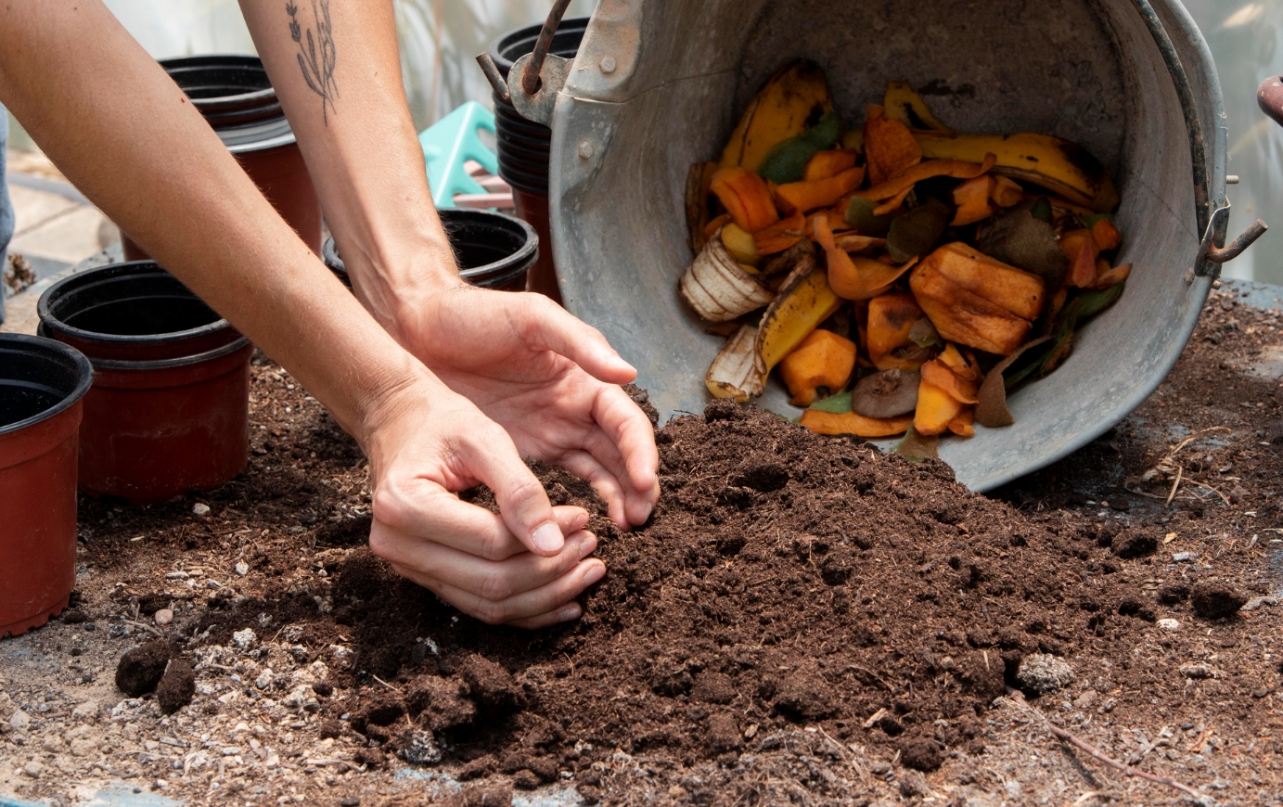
(6, 207)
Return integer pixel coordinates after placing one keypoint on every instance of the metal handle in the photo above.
(536, 78)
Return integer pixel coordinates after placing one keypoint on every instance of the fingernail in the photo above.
(572, 611)
(594, 574)
(580, 522)
(547, 537)
(590, 544)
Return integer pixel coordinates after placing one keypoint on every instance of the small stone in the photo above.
(200, 509)
(913, 784)
(242, 568)
(1183, 557)
(419, 747)
(350, 801)
(265, 679)
(1041, 672)
(244, 639)
(164, 616)
(1169, 624)
(20, 721)
(33, 769)
(1197, 671)
(86, 711)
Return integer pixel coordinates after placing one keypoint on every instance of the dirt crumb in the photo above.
(140, 669)
(177, 686)
(1212, 600)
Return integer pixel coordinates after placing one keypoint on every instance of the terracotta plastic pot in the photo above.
(42, 383)
(169, 408)
(237, 99)
(494, 251)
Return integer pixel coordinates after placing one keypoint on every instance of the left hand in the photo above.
(549, 379)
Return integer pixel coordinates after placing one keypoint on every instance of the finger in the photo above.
(426, 510)
(494, 581)
(566, 613)
(527, 604)
(523, 503)
(550, 327)
(630, 430)
(585, 466)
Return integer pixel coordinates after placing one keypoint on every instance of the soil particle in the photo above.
(723, 733)
(492, 687)
(525, 779)
(481, 796)
(1212, 600)
(1132, 544)
(140, 669)
(177, 686)
(920, 752)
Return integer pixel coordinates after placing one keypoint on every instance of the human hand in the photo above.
(549, 379)
(523, 567)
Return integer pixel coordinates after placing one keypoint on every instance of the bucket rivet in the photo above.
(607, 64)
(585, 150)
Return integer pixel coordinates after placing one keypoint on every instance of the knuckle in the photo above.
(525, 488)
(496, 586)
(389, 505)
(492, 613)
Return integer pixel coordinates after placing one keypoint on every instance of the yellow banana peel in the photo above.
(791, 101)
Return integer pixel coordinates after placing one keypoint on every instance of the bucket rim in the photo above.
(51, 348)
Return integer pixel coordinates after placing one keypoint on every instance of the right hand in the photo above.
(522, 567)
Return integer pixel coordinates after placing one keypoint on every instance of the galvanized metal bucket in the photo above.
(657, 85)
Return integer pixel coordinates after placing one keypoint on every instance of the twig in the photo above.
(385, 683)
(1100, 756)
(142, 625)
(1180, 473)
(848, 756)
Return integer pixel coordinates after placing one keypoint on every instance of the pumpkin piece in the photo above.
(972, 198)
(936, 409)
(964, 424)
(793, 100)
(939, 374)
(853, 277)
(746, 198)
(716, 224)
(781, 235)
(1106, 234)
(1006, 192)
(1082, 251)
(889, 146)
(826, 164)
(965, 317)
(1113, 277)
(964, 365)
(804, 301)
(740, 244)
(891, 318)
(1017, 291)
(901, 183)
(807, 196)
(853, 423)
(824, 359)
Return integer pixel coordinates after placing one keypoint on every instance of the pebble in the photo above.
(1169, 624)
(200, 509)
(20, 720)
(244, 639)
(1198, 671)
(33, 769)
(242, 568)
(1183, 557)
(86, 711)
(1041, 672)
(164, 616)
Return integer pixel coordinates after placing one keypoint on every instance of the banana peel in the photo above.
(1059, 165)
(717, 288)
(804, 301)
(793, 100)
(903, 104)
(734, 374)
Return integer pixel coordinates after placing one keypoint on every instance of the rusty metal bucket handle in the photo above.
(528, 88)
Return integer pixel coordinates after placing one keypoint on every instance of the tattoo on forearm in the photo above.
(316, 56)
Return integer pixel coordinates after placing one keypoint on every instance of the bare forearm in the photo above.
(127, 137)
(337, 72)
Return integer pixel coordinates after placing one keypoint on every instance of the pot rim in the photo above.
(56, 325)
(84, 369)
(152, 365)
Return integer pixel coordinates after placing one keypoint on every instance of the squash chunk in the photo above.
(746, 197)
(891, 318)
(825, 164)
(965, 317)
(824, 359)
(936, 409)
(1017, 291)
(853, 423)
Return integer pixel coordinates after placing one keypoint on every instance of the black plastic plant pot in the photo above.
(42, 384)
(237, 100)
(169, 408)
(493, 251)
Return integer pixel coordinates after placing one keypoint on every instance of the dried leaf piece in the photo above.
(918, 447)
(861, 217)
(992, 410)
(793, 100)
(734, 374)
(889, 146)
(906, 106)
(746, 198)
(915, 233)
(824, 360)
(787, 162)
(808, 196)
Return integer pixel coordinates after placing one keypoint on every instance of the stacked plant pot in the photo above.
(523, 145)
(494, 251)
(169, 407)
(42, 384)
(237, 99)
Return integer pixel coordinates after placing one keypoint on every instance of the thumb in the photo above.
(523, 504)
(548, 326)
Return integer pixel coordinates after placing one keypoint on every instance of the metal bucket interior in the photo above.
(682, 70)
